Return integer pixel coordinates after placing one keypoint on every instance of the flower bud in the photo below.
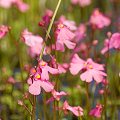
(109, 34)
(11, 80)
(95, 42)
(26, 96)
(20, 102)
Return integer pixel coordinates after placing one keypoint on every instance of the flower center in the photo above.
(97, 12)
(96, 106)
(38, 76)
(85, 63)
(90, 67)
(61, 25)
(33, 71)
(43, 64)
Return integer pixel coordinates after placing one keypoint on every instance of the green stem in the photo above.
(50, 26)
(60, 115)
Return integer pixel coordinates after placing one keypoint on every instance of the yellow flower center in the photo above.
(27, 33)
(38, 76)
(85, 63)
(43, 63)
(96, 106)
(33, 71)
(1, 29)
(90, 67)
(54, 59)
(97, 12)
(61, 25)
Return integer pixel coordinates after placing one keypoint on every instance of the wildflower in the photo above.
(96, 112)
(98, 20)
(74, 110)
(64, 35)
(45, 69)
(90, 68)
(3, 30)
(30, 39)
(101, 91)
(36, 83)
(69, 23)
(56, 96)
(79, 33)
(82, 3)
(5, 3)
(11, 80)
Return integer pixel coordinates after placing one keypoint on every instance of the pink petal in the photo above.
(52, 70)
(34, 88)
(97, 113)
(92, 112)
(29, 81)
(69, 44)
(61, 69)
(50, 100)
(60, 46)
(44, 74)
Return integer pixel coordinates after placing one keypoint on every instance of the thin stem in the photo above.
(80, 118)
(44, 104)
(54, 112)
(27, 109)
(49, 28)
(60, 115)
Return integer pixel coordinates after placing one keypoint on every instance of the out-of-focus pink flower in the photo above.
(101, 91)
(91, 69)
(23, 7)
(70, 24)
(36, 84)
(56, 96)
(119, 74)
(11, 80)
(96, 112)
(3, 30)
(79, 33)
(26, 67)
(95, 42)
(45, 69)
(113, 42)
(3, 69)
(82, 3)
(30, 39)
(48, 16)
(64, 35)
(98, 20)
(78, 111)
(105, 82)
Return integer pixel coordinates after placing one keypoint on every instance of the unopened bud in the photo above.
(26, 67)
(3, 69)
(11, 80)
(109, 34)
(26, 96)
(20, 102)
(95, 42)
(41, 24)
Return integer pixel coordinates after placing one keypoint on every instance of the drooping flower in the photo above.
(36, 83)
(69, 23)
(64, 35)
(78, 111)
(3, 30)
(56, 96)
(113, 42)
(79, 33)
(90, 68)
(98, 20)
(96, 112)
(31, 39)
(82, 3)
(45, 69)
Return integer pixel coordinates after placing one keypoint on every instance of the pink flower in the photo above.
(3, 30)
(45, 69)
(30, 39)
(36, 84)
(96, 112)
(64, 35)
(90, 68)
(56, 96)
(75, 110)
(101, 91)
(113, 42)
(82, 3)
(98, 20)
(79, 33)
(70, 24)
(5, 3)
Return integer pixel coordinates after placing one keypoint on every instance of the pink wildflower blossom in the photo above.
(64, 35)
(96, 112)
(74, 110)
(98, 20)
(79, 33)
(56, 96)
(45, 69)
(30, 39)
(5, 3)
(92, 69)
(82, 3)
(36, 84)
(70, 24)
(3, 30)
(113, 42)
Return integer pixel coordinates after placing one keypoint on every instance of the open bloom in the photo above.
(36, 83)
(45, 69)
(64, 35)
(82, 3)
(56, 96)
(3, 31)
(90, 68)
(98, 20)
(31, 39)
(113, 42)
(78, 111)
(96, 112)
